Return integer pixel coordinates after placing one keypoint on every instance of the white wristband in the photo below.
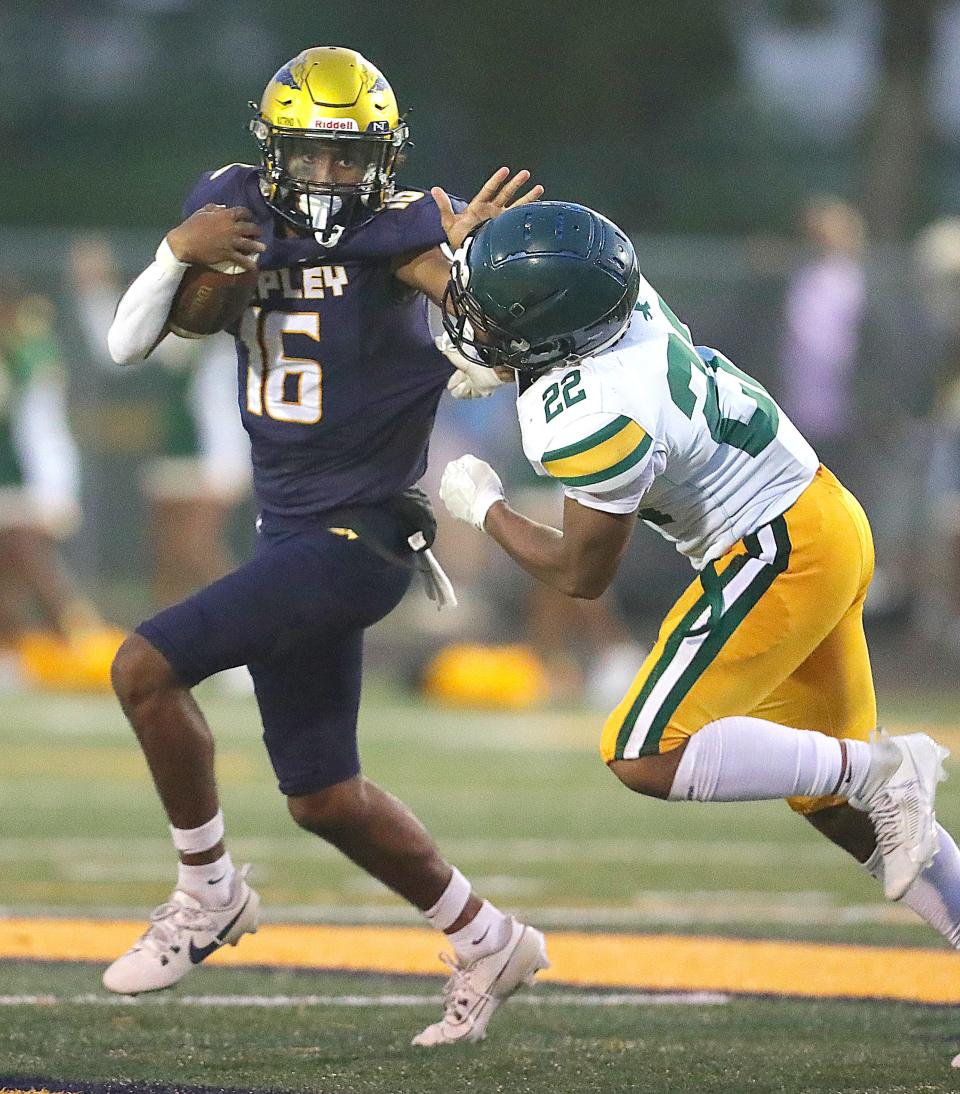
(481, 506)
(168, 261)
(452, 901)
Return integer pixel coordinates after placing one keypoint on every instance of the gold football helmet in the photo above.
(330, 134)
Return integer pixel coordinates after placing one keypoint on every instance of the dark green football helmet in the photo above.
(539, 285)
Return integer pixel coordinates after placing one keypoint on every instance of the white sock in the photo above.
(209, 883)
(935, 895)
(749, 759)
(486, 933)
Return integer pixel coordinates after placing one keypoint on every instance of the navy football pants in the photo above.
(295, 615)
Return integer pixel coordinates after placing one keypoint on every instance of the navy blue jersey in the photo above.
(339, 378)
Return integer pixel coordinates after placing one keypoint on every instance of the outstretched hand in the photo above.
(470, 380)
(494, 197)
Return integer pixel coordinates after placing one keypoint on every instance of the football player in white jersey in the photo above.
(759, 685)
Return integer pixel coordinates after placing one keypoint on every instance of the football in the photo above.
(209, 299)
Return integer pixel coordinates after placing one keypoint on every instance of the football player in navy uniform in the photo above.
(339, 380)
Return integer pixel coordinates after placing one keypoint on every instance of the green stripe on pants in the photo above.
(721, 629)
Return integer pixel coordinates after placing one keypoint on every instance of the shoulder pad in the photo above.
(403, 199)
(410, 221)
(227, 185)
(595, 448)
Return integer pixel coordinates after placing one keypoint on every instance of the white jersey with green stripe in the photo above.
(673, 430)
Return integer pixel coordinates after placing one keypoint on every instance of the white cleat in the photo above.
(900, 803)
(474, 991)
(182, 933)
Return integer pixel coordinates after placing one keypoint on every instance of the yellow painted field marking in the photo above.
(638, 962)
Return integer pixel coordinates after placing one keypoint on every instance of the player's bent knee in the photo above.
(650, 775)
(139, 670)
(332, 809)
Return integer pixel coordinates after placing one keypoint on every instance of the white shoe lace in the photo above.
(459, 994)
(890, 821)
(167, 922)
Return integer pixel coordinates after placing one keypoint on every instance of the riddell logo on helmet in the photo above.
(336, 123)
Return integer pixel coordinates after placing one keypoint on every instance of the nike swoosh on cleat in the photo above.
(216, 880)
(477, 941)
(200, 953)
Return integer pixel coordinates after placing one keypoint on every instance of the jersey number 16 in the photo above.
(287, 389)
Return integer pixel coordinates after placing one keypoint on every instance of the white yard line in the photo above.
(553, 999)
(650, 908)
(627, 851)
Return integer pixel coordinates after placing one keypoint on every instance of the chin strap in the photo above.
(329, 237)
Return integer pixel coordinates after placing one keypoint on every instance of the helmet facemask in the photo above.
(330, 138)
(357, 172)
(486, 342)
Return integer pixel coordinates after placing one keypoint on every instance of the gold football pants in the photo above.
(773, 629)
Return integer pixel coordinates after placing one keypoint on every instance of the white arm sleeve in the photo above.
(144, 307)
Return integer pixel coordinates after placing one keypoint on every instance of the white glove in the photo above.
(468, 487)
(470, 381)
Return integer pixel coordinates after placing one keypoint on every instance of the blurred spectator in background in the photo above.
(823, 315)
(857, 420)
(937, 263)
(202, 472)
(39, 482)
(203, 467)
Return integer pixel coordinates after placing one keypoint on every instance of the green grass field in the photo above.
(525, 808)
